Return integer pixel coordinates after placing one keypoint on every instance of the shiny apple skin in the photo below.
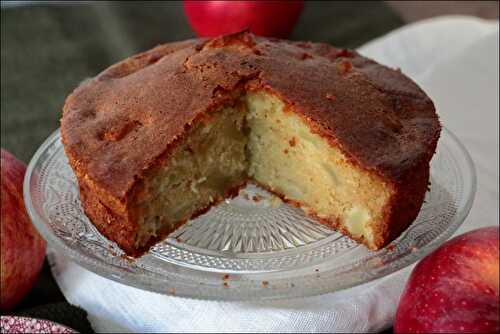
(454, 289)
(264, 18)
(22, 248)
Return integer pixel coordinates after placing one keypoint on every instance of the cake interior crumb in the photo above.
(255, 139)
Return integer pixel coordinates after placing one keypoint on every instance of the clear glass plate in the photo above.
(250, 247)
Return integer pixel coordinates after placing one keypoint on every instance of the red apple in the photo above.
(454, 289)
(23, 250)
(265, 18)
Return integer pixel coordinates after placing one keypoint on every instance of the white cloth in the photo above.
(455, 59)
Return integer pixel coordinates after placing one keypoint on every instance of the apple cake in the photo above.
(162, 136)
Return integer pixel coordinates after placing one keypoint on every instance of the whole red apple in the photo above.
(454, 289)
(265, 18)
(23, 250)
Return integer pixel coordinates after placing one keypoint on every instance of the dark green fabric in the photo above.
(61, 313)
(45, 291)
(47, 50)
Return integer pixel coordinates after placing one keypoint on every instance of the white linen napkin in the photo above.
(455, 59)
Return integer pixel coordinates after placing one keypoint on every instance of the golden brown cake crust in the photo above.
(120, 124)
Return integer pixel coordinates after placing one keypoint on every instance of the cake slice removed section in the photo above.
(289, 159)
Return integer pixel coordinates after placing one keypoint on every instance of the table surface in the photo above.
(47, 50)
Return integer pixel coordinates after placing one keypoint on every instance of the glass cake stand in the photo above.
(251, 247)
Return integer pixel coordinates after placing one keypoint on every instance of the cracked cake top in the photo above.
(119, 124)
